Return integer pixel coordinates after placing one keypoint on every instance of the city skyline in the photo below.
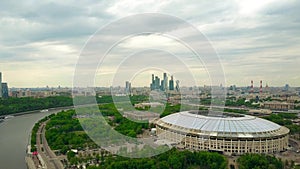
(155, 83)
(255, 40)
(258, 84)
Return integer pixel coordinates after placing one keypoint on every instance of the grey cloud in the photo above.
(40, 20)
(269, 40)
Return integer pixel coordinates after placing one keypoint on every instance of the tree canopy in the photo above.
(259, 161)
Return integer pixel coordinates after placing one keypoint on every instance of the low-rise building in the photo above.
(144, 105)
(141, 115)
(275, 105)
(260, 112)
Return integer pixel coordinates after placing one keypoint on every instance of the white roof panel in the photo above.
(244, 124)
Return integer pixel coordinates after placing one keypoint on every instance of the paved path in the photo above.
(50, 159)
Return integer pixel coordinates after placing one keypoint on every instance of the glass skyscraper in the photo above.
(0, 84)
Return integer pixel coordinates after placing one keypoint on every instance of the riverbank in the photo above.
(15, 133)
(43, 157)
(37, 111)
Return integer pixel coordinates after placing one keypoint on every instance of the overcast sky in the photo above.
(40, 41)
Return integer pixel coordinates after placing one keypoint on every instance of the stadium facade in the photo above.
(231, 134)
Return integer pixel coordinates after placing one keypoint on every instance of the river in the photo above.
(14, 136)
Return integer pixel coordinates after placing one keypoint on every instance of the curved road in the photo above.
(50, 159)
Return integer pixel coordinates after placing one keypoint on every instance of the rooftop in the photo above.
(225, 123)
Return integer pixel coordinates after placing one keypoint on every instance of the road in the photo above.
(50, 159)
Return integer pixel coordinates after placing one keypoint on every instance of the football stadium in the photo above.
(227, 133)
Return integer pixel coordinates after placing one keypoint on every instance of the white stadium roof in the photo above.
(243, 125)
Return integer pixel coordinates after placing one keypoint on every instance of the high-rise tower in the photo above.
(177, 86)
(165, 87)
(251, 90)
(157, 83)
(260, 88)
(127, 87)
(0, 85)
(152, 85)
(4, 90)
(152, 78)
(171, 84)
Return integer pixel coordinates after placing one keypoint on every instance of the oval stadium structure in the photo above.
(226, 133)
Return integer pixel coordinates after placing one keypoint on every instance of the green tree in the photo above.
(70, 155)
(259, 161)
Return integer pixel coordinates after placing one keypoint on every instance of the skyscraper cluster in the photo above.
(3, 88)
(164, 84)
